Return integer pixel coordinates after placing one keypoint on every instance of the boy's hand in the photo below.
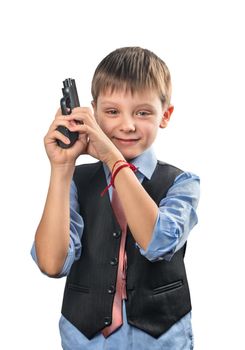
(92, 140)
(59, 156)
(95, 141)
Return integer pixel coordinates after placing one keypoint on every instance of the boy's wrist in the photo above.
(115, 157)
(63, 171)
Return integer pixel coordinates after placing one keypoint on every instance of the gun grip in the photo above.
(72, 136)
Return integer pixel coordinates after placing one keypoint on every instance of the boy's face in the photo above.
(131, 121)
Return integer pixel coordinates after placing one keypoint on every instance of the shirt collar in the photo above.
(145, 162)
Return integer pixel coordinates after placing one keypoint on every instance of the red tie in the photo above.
(120, 293)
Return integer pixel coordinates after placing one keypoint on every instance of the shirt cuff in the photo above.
(176, 217)
(162, 247)
(75, 248)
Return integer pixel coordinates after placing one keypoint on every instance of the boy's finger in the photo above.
(58, 122)
(82, 117)
(82, 110)
(54, 136)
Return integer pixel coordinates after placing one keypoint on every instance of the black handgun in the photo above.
(69, 101)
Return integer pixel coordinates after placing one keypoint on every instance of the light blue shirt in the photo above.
(176, 217)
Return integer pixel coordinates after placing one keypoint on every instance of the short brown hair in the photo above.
(133, 69)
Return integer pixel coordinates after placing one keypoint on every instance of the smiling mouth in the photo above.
(125, 140)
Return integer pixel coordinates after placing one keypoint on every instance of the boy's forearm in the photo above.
(140, 210)
(52, 235)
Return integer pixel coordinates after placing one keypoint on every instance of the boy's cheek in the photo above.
(98, 120)
(104, 128)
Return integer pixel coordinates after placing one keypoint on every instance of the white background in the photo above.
(44, 42)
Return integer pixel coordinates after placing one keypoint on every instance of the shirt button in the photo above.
(114, 261)
(111, 290)
(116, 234)
(107, 321)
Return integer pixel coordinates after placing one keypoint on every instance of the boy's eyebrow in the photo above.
(107, 102)
(148, 105)
(140, 105)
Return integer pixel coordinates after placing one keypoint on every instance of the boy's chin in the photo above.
(130, 155)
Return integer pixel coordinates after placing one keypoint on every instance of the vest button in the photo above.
(111, 290)
(114, 261)
(116, 234)
(107, 321)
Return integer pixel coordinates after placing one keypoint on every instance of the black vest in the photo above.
(157, 292)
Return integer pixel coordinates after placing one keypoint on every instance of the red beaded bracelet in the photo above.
(115, 172)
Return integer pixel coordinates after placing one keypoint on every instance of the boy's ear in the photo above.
(166, 117)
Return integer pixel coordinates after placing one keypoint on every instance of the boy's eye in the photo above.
(112, 111)
(143, 113)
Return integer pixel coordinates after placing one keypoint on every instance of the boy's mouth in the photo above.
(126, 141)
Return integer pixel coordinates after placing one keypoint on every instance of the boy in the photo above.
(126, 286)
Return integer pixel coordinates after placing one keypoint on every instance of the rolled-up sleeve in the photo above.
(76, 230)
(176, 217)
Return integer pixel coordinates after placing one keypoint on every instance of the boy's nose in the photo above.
(127, 124)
